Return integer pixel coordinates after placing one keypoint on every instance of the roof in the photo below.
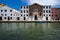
(1, 5)
(35, 4)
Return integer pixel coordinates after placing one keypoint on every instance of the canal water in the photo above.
(29, 31)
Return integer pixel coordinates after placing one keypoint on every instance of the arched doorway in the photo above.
(35, 17)
(18, 18)
(24, 18)
(0, 18)
(46, 18)
(8, 18)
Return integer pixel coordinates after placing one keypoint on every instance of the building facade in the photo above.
(55, 14)
(34, 12)
(24, 13)
(8, 14)
(47, 13)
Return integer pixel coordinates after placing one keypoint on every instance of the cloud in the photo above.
(44, 2)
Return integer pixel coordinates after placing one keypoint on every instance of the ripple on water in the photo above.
(29, 31)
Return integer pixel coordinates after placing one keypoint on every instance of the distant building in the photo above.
(55, 13)
(24, 13)
(8, 14)
(36, 12)
(47, 13)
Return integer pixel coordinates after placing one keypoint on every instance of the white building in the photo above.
(47, 13)
(8, 14)
(34, 12)
(24, 13)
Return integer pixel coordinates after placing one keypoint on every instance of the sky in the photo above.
(17, 3)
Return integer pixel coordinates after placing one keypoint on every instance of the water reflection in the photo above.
(29, 31)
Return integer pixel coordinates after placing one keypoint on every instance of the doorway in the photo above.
(35, 17)
(1, 18)
(46, 18)
(8, 18)
(24, 18)
(18, 18)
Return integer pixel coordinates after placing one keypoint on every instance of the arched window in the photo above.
(35, 9)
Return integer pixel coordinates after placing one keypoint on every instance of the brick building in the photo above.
(55, 13)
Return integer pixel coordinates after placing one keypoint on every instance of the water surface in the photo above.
(29, 31)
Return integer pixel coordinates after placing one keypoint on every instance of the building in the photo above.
(36, 12)
(24, 13)
(8, 14)
(55, 13)
(47, 13)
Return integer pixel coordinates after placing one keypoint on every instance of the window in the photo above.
(49, 7)
(58, 18)
(11, 14)
(5, 14)
(55, 15)
(49, 11)
(27, 15)
(10, 10)
(1, 10)
(44, 11)
(24, 7)
(24, 15)
(21, 11)
(14, 14)
(27, 7)
(52, 12)
(21, 15)
(1, 14)
(24, 11)
(49, 15)
(21, 7)
(11, 17)
(46, 7)
(27, 11)
(4, 17)
(35, 10)
(44, 14)
(52, 15)
(5, 10)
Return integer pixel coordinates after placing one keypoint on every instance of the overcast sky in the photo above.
(17, 3)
